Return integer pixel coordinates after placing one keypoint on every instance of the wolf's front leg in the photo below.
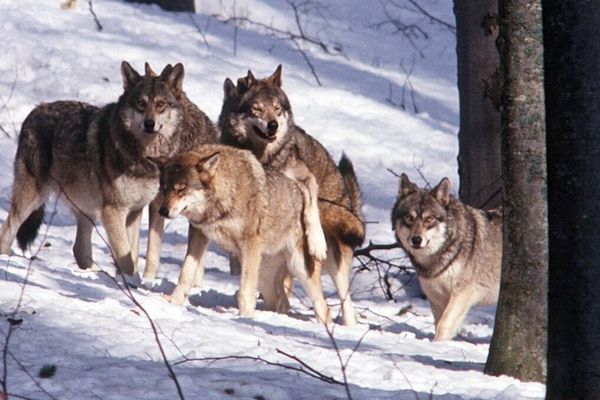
(192, 265)
(250, 256)
(156, 225)
(114, 220)
(454, 314)
(134, 220)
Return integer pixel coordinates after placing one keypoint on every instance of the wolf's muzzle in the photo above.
(149, 125)
(416, 241)
(164, 212)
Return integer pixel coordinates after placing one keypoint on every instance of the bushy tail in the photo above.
(357, 236)
(29, 229)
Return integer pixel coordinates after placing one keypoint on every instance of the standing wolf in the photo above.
(96, 159)
(257, 116)
(255, 213)
(456, 250)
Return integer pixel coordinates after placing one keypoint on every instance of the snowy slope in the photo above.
(101, 341)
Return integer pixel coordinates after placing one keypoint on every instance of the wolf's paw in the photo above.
(175, 298)
(126, 265)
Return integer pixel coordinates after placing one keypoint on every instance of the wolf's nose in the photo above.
(149, 125)
(416, 240)
(272, 126)
(164, 212)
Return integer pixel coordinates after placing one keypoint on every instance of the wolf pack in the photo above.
(255, 184)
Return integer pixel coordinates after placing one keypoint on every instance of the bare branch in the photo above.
(305, 369)
(98, 24)
(200, 30)
(126, 289)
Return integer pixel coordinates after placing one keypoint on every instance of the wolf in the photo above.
(456, 250)
(252, 212)
(97, 160)
(256, 115)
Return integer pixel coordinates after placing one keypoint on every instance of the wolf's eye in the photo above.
(256, 109)
(141, 104)
(180, 189)
(430, 219)
(409, 219)
(160, 104)
(278, 109)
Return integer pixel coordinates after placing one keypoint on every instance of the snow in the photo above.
(100, 340)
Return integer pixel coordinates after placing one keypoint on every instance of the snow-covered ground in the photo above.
(102, 343)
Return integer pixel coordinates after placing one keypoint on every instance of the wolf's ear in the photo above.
(275, 79)
(442, 191)
(244, 84)
(149, 71)
(406, 186)
(173, 76)
(209, 164)
(130, 75)
(229, 89)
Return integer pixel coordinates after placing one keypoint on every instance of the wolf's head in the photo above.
(150, 105)
(256, 111)
(419, 217)
(187, 184)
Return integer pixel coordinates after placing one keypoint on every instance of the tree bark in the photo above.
(572, 83)
(518, 346)
(479, 162)
(170, 5)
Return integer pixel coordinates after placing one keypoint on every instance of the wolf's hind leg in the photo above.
(275, 284)
(308, 272)
(339, 265)
(27, 197)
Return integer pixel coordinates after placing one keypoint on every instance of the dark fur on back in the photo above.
(62, 129)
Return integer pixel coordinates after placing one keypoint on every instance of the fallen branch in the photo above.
(304, 368)
(98, 24)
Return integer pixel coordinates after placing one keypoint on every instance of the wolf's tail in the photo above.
(354, 234)
(35, 153)
(29, 229)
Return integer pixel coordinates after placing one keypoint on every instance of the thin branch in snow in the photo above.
(304, 368)
(12, 325)
(126, 289)
(98, 24)
(200, 30)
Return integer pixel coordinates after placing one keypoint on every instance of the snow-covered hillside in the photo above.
(102, 343)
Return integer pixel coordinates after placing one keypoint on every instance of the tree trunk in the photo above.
(572, 82)
(170, 5)
(479, 164)
(518, 346)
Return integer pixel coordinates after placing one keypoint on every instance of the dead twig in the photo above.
(126, 289)
(304, 368)
(96, 20)
(12, 325)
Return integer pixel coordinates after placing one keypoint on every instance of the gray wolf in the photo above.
(456, 250)
(254, 213)
(257, 115)
(97, 160)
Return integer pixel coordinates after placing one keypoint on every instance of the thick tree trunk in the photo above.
(572, 82)
(479, 165)
(170, 5)
(518, 346)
